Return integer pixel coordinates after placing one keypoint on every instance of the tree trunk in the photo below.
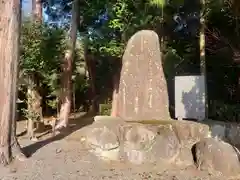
(34, 113)
(9, 56)
(33, 93)
(202, 53)
(37, 10)
(37, 17)
(92, 76)
(66, 89)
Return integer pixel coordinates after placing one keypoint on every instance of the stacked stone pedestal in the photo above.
(180, 143)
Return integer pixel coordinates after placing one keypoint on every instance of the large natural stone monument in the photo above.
(216, 155)
(143, 134)
(142, 93)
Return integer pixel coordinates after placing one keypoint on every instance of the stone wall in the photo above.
(226, 131)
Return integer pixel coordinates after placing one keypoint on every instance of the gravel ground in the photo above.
(67, 159)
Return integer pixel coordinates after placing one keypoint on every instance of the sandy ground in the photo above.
(64, 157)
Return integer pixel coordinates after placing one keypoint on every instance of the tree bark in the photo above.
(34, 111)
(66, 89)
(202, 45)
(9, 56)
(37, 10)
(33, 94)
(92, 76)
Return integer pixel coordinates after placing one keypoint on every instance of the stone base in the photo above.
(183, 143)
(226, 131)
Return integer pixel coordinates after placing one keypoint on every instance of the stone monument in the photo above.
(142, 92)
(141, 134)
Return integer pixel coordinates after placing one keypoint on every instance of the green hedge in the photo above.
(105, 109)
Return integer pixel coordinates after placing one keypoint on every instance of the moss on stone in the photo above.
(160, 122)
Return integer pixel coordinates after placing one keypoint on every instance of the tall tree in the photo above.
(202, 46)
(67, 68)
(37, 10)
(33, 95)
(9, 57)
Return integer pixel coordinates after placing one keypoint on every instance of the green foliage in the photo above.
(42, 48)
(30, 114)
(105, 39)
(112, 48)
(42, 51)
(52, 103)
(225, 112)
(159, 3)
(107, 48)
(124, 18)
(163, 3)
(105, 109)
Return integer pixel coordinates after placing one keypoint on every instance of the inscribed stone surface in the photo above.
(142, 93)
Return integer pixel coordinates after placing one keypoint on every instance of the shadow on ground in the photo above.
(75, 124)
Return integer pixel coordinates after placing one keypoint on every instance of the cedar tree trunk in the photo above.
(66, 89)
(9, 57)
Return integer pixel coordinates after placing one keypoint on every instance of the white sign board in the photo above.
(190, 97)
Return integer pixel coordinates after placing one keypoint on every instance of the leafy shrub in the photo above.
(42, 49)
(226, 112)
(105, 109)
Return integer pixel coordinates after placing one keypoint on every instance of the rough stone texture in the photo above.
(145, 143)
(218, 131)
(105, 118)
(166, 147)
(214, 155)
(190, 132)
(104, 143)
(102, 138)
(232, 135)
(142, 93)
(182, 143)
(226, 131)
(138, 137)
(185, 157)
